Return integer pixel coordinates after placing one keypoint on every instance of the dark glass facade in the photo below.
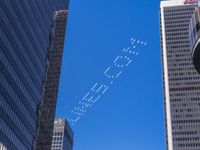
(25, 26)
(62, 135)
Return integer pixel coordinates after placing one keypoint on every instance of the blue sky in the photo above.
(130, 114)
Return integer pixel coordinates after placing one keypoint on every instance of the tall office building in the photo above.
(51, 81)
(194, 30)
(62, 135)
(181, 82)
(25, 26)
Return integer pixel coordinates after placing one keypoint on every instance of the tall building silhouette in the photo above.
(62, 135)
(25, 28)
(51, 81)
(181, 82)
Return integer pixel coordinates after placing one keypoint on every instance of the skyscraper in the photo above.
(25, 26)
(181, 82)
(62, 135)
(51, 81)
(195, 38)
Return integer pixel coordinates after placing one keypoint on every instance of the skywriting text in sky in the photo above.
(111, 74)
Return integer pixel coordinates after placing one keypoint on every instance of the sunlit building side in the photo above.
(62, 135)
(181, 82)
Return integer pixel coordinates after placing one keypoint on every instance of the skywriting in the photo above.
(111, 74)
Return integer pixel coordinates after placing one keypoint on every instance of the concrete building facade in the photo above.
(62, 135)
(181, 82)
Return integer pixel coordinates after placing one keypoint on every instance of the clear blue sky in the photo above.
(130, 115)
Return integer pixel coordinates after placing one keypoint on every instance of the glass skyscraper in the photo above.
(181, 82)
(25, 28)
(62, 135)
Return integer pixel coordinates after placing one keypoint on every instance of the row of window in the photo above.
(185, 121)
(179, 9)
(57, 138)
(186, 133)
(189, 145)
(57, 133)
(187, 139)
